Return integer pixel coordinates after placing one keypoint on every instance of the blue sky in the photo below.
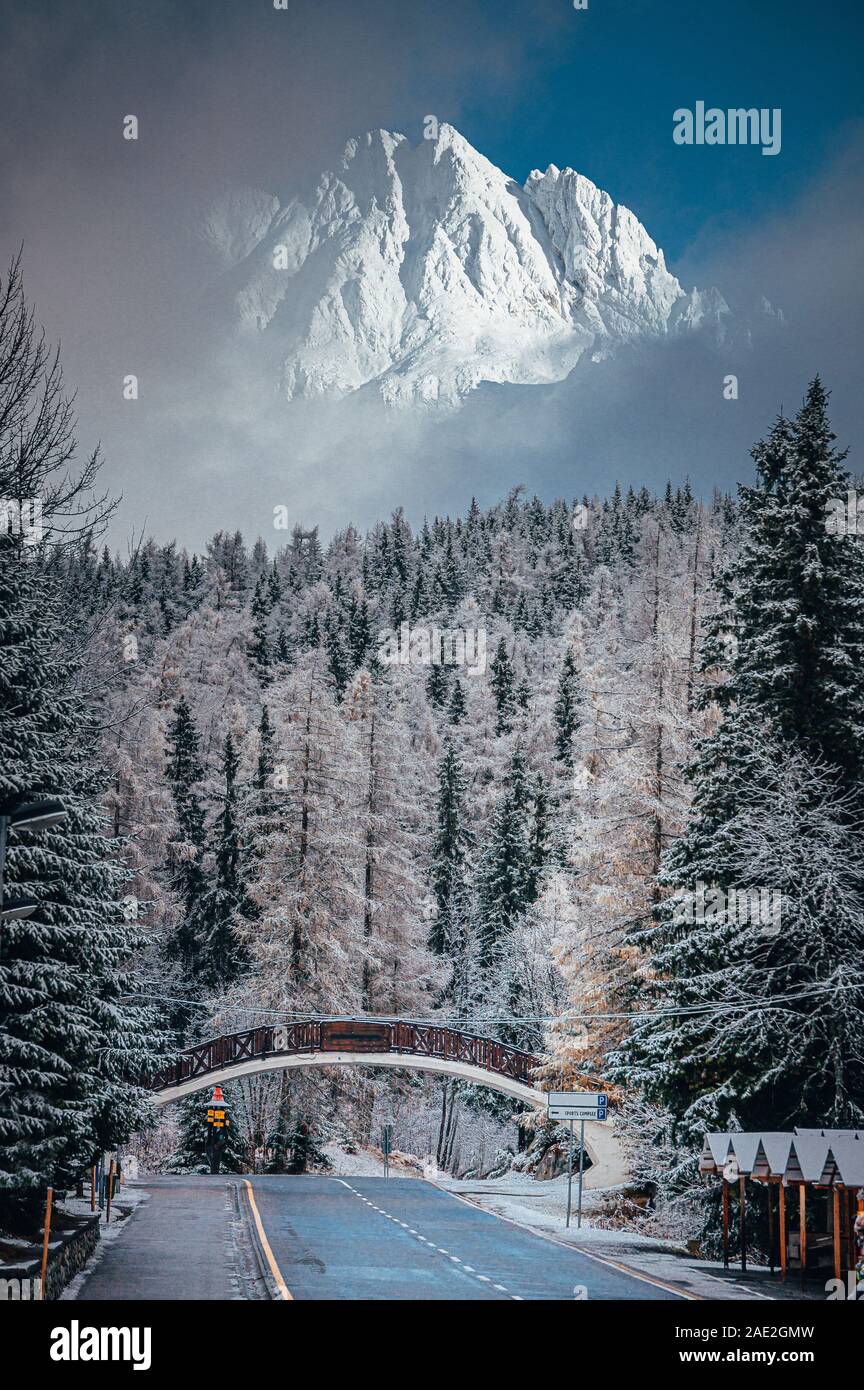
(600, 88)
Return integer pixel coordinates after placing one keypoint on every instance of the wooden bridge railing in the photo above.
(348, 1035)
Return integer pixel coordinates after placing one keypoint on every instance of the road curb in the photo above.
(244, 1211)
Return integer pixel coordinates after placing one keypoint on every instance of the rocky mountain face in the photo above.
(421, 271)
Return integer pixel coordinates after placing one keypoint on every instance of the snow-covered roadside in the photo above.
(542, 1206)
(369, 1163)
(128, 1198)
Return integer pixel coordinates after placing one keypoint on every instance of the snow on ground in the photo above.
(369, 1163)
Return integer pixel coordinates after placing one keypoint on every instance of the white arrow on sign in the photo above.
(577, 1105)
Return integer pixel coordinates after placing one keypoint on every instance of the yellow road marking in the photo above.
(284, 1291)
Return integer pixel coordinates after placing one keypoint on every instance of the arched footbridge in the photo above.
(393, 1043)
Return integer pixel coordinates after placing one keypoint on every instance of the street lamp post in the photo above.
(17, 813)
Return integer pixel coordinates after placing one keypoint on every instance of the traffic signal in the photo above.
(217, 1120)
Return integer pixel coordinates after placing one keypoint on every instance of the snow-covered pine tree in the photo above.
(265, 761)
(503, 687)
(307, 878)
(338, 651)
(225, 906)
(359, 632)
(451, 852)
(627, 799)
(195, 1136)
(797, 596)
(505, 873)
(747, 1026)
(567, 708)
(437, 685)
(72, 1045)
(260, 655)
(186, 874)
(457, 707)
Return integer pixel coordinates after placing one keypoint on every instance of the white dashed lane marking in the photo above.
(439, 1250)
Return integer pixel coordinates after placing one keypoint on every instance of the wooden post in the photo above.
(742, 1222)
(771, 1260)
(838, 1254)
(110, 1186)
(93, 1188)
(850, 1226)
(725, 1224)
(802, 1226)
(782, 1215)
(45, 1237)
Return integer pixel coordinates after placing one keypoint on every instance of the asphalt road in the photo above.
(403, 1239)
(338, 1238)
(189, 1240)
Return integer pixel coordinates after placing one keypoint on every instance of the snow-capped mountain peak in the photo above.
(420, 271)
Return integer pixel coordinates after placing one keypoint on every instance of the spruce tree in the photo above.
(222, 955)
(72, 1043)
(195, 1137)
(302, 1149)
(259, 647)
(274, 586)
(457, 708)
(749, 1027)
(540, 839)
(284, 648)
(420, 599)
(71, 1047)
(266, 742)
(795, 596)
(503, 688)
(338, 653)
(437, 685)
(450, 853)
(360, 632)
(185, 869)
(567, 709)
(505, 876)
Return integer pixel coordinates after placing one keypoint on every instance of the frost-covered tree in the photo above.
(503, 687)
(451, 852)
(186, 871)
(729, 1034)
(195, 1137)
(225, 904)
(260, 654)
(457, 707)
(505, 875)
(72, 1043)
(760, 982)
(388, 823)
(794, 598)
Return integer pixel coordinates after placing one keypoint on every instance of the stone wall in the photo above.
(67, 1252)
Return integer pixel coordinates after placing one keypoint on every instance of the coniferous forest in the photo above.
(267, 819)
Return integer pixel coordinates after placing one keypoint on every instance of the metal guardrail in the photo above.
(348, 1035)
